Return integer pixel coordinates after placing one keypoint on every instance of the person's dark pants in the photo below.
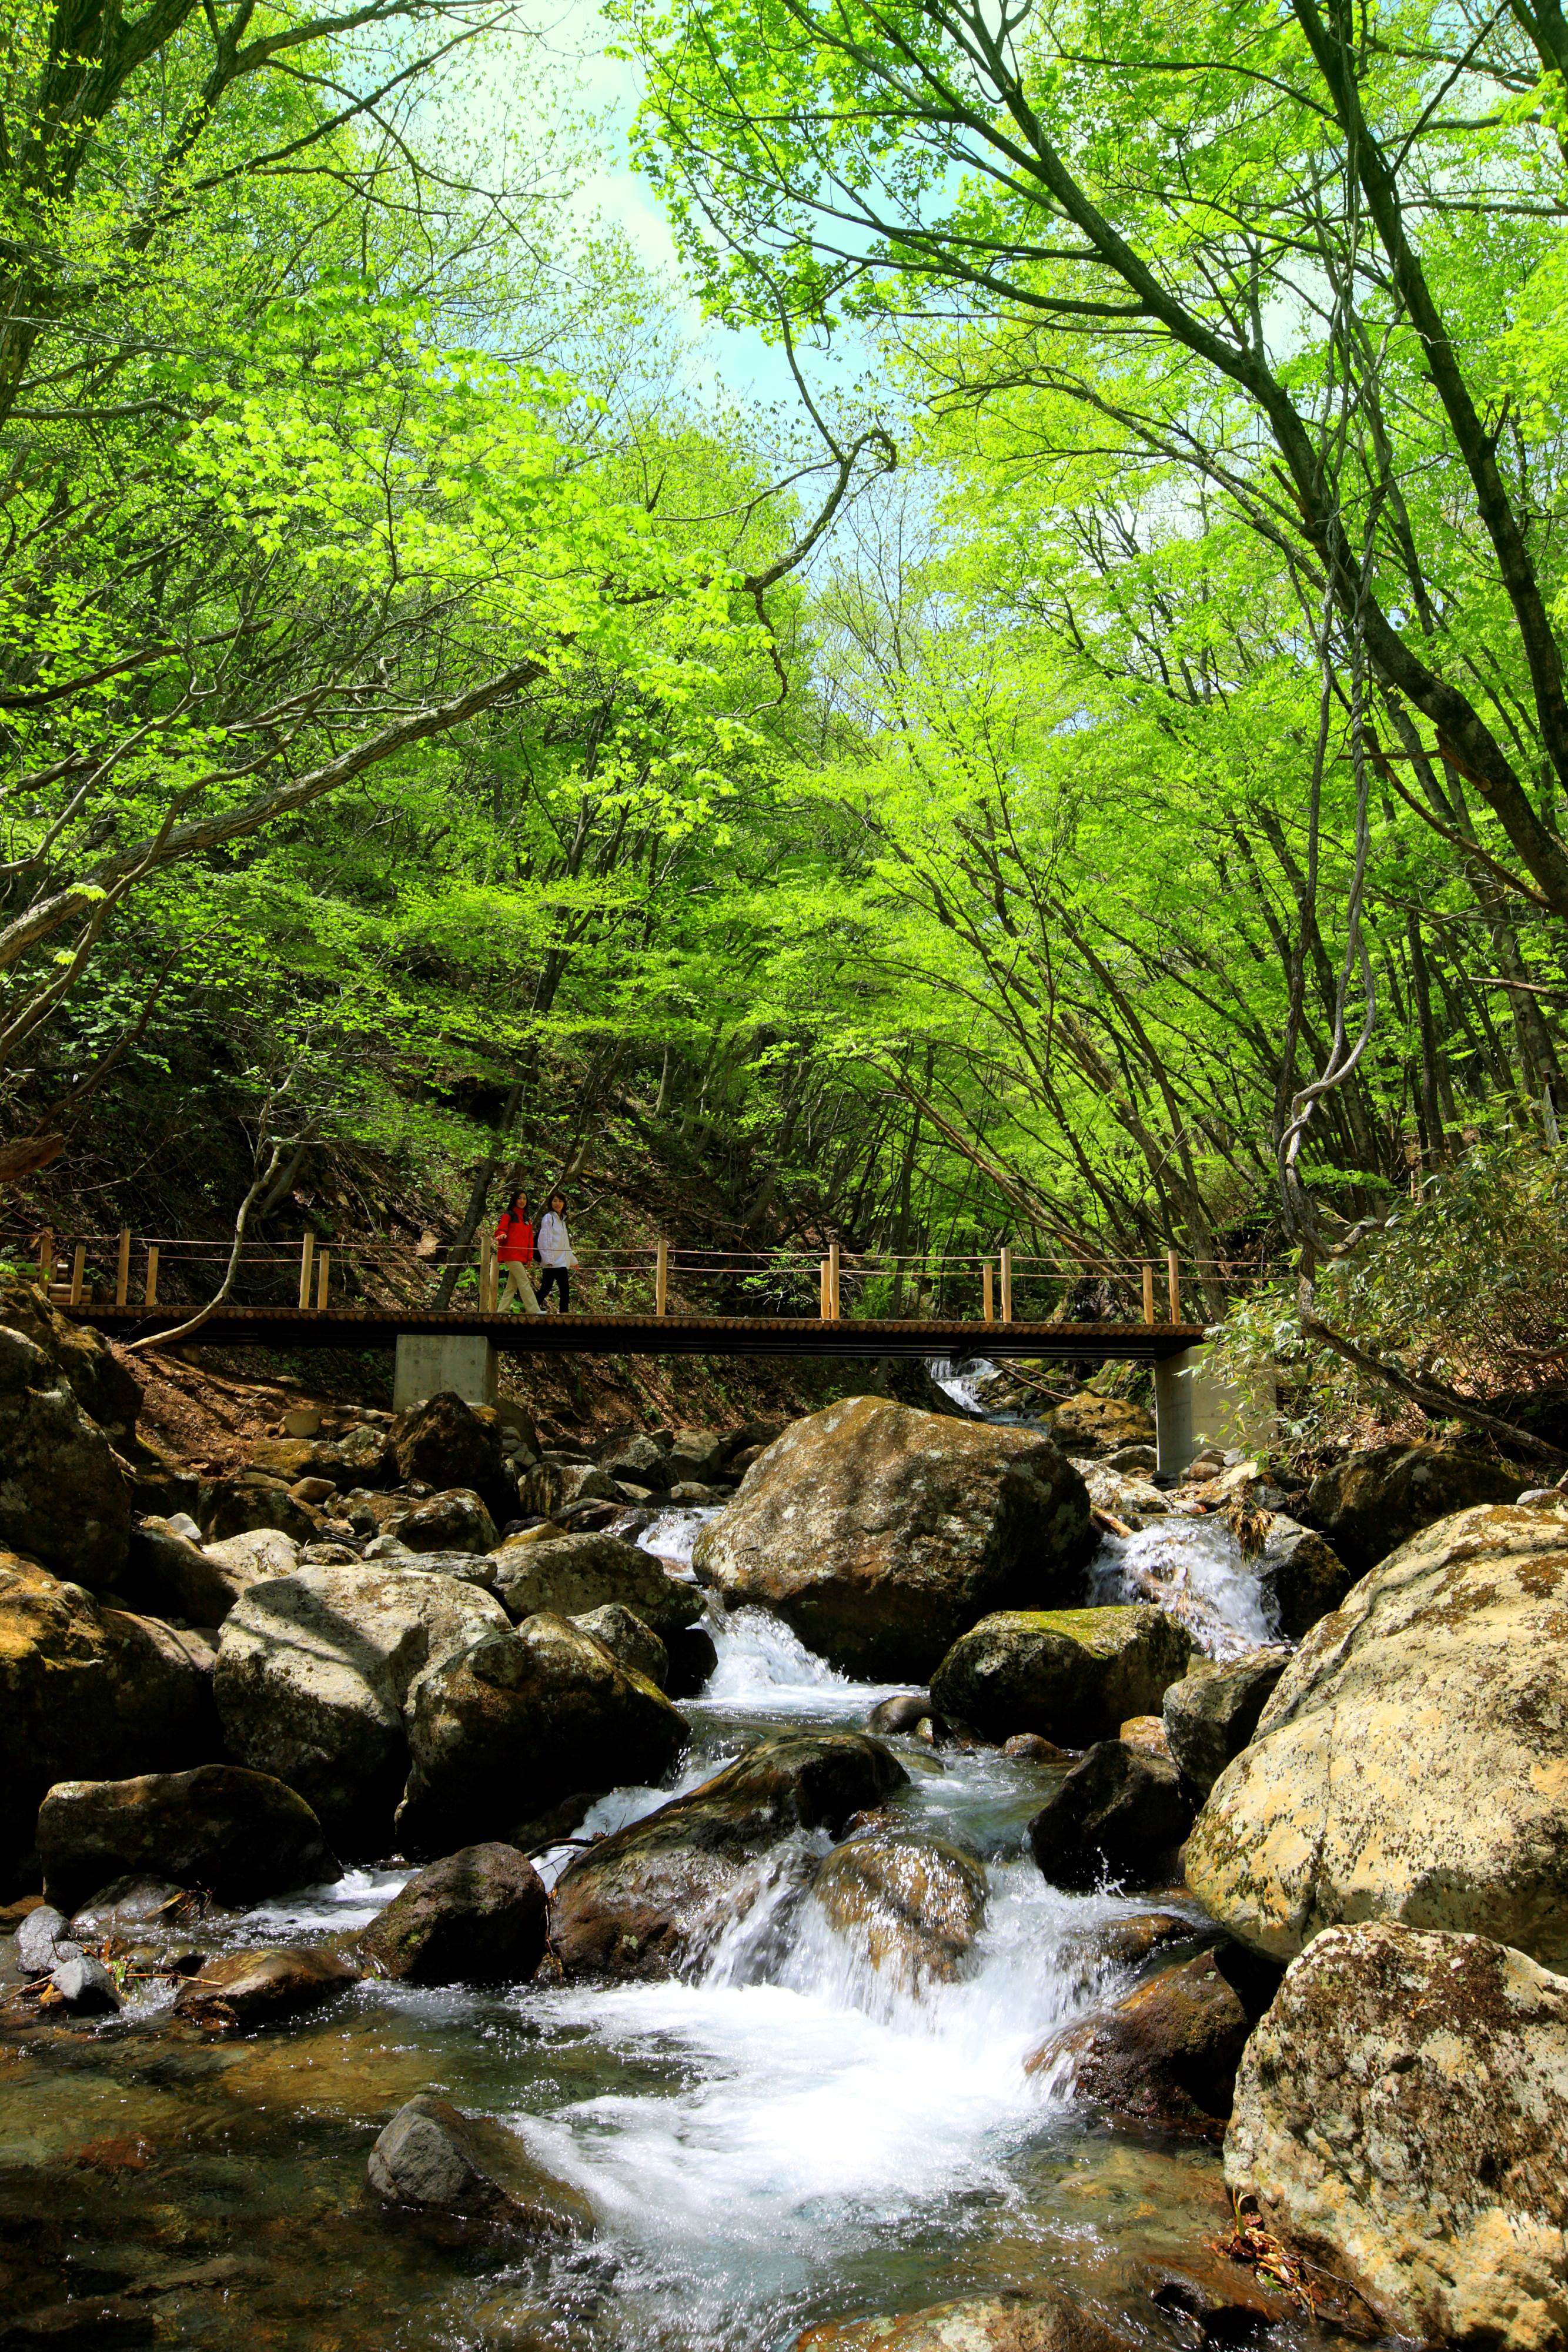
(551, 1275)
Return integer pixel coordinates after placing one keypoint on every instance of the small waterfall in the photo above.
(964, 1387)
(1196, 1570)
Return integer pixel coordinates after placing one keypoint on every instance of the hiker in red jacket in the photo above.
(515, 1249)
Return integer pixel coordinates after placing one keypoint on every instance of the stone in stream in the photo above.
(1120, 1814)
(878, 1533)
(477, 1917)
(258, 1986)
(506, 1727)
(569, 1575)
(627, 1637)
(314, 1670)
(64, 1500)
(1212, 1713)
(1371, 1504)
(134, 1903)
(454, 1520)
(1072, 1674)
(650, 1899)
(241, 1835)
(89, 1692)
(700, 1455)
(39, 1937)
(891, 1716)
(434, 2159)
(912, 1905)
(1093, 1425)
(1301, 1577)
(692, 1656)
(1409, 1765)
(1041, 2321)
(1401, 2114)
(1167, 2052)
(639, 1462)
(86, 1986)
(445, 1442)
(1030, 1748)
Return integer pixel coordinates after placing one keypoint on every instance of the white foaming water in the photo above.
(1196, 1570)
(964, 1388)
(674, 1534)
(346, 1903)
(764, 1668)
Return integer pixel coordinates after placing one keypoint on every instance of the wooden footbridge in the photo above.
(653, 1303)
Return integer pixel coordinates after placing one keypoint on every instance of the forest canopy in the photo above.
(1099, 781)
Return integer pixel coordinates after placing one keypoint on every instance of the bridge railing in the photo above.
(834, 1283)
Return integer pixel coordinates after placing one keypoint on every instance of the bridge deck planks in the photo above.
(648, 1334)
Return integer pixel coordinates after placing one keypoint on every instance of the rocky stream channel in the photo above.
(870, 2003)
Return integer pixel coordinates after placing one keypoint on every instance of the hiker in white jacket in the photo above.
(554, 1246)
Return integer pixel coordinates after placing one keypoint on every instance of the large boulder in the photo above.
(1212, 1713)
(313, 1674)
(1400, 2115)
(476, 1916)
(1167, 2053)
(626, 1637)
(880, 1533)
(432, 2158)
(1410, 1765)
(456, 1520)
(1093, 1425)
(237, 1506)
(501, 1730)
(1301, 1577)
(1072, 1674)
(199, 1584)
(88, 1693)
(1120, 1814)
(642, 1462)
(240, 1835)
(64, 1499)
(653, 1898)
(107, 1392)
(912, 1906)
(570, 1575)
(1372, 1503)
(445, 1442)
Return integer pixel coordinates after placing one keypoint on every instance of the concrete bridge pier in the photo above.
(1194, 1408)
(426, 1365)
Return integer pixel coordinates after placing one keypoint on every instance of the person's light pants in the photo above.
(519, 1286)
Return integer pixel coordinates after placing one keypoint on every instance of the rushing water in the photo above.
(789, 2137)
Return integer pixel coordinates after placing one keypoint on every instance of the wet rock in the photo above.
(1042, 2321)
(1127, 1498)
(1072, 1674)
(1167, 2053)
(1131, 1942)
(87, 1691)
(1400, 2115)
(85, 2320)
(571, 1574)
(314, 1670)
(256, 1988)
(891, 1716)
(1093, 1425)
(436, 2160)
(1147, 1733)
(1120, 1815)
(1135, 1461)
(443, 1444)
(693, 1657)
(64, 1500)
(85, 1985)
(237, 1506)
(1301, 1577)
(1372, 1503)
(912, 1905)
(454, 1521)
(626, 1637)
(477, 1917)
(640, 1460)
(131, 1904)
(880, 1533)
(649, 1900)
(240, 1834)
(1029, 1748)
(1409, 1764)
(520, 1718)
(37, 1938)
(1212, 1713)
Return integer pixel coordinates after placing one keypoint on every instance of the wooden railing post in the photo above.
(1007, 1285)
(825, 1301)
(988, 1304)
(122, 1269)
(323, 1272)
(833, 1281)
(662, 1278)
(78, 1267)
(1149, 1293)
(152, 1274)
(1173, 1278)
(46, 1257)
(307, 1257)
